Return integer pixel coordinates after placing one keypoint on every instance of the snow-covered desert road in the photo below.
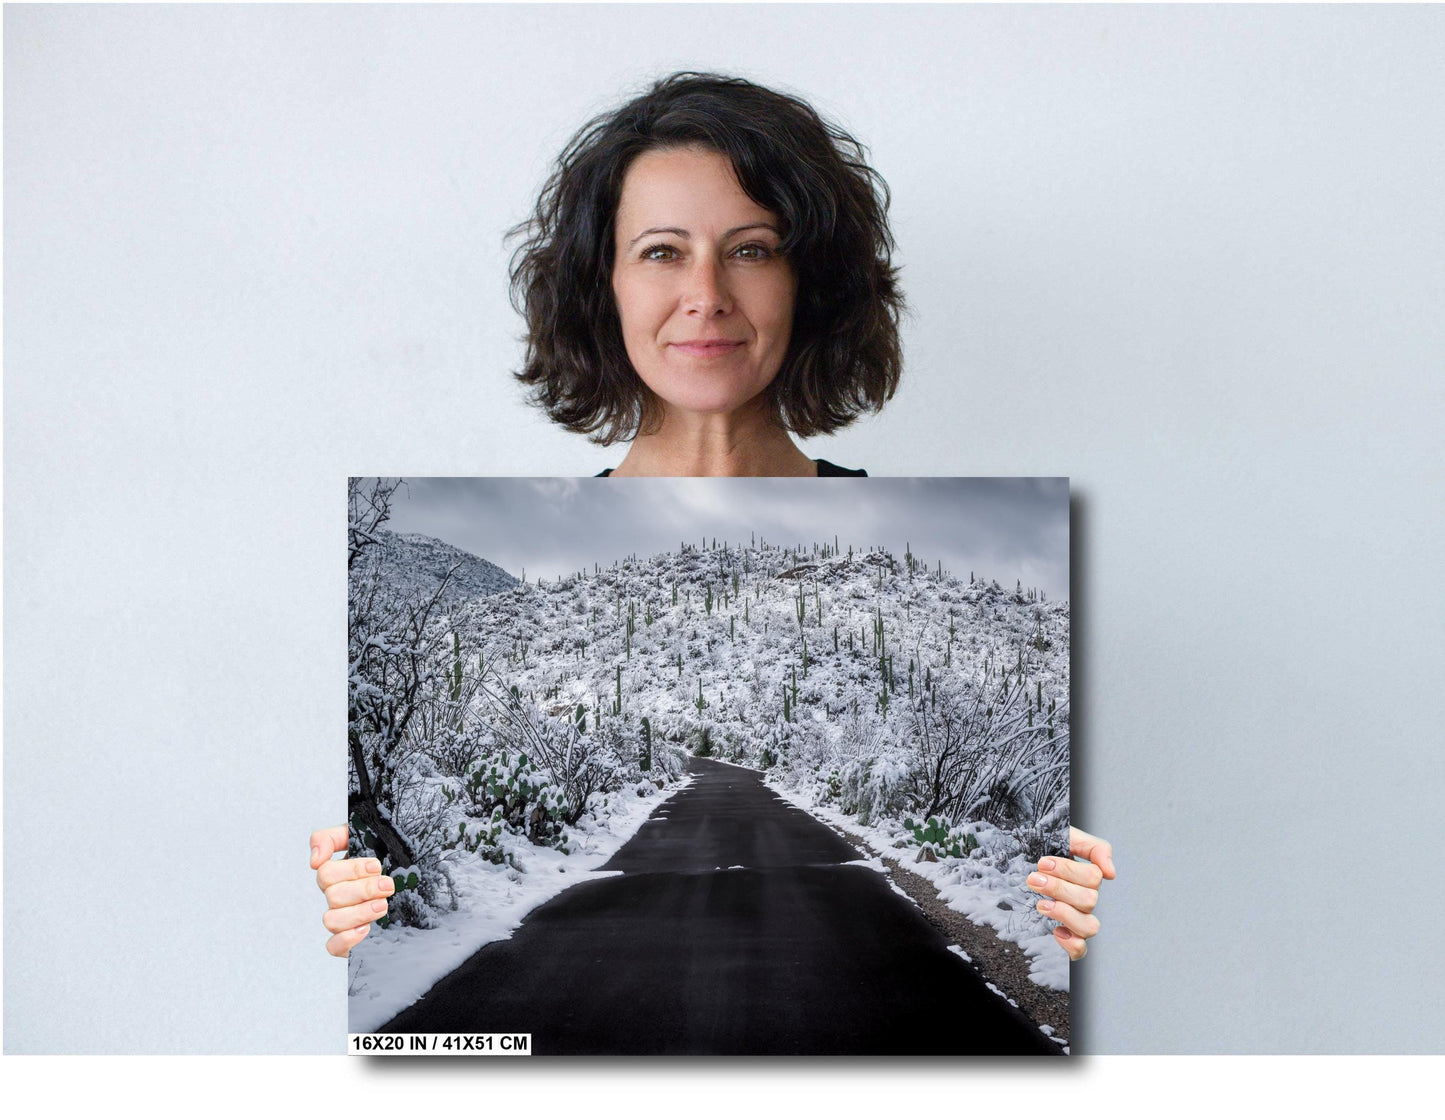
(737, 926)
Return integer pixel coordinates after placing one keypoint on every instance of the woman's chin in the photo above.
(703, 402)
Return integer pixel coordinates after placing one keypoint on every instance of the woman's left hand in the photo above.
(1071, 889)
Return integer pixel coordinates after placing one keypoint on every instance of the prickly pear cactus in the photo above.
(361, 841)
(940, 838)
(516, 794)
(484, 838)
(405, 878)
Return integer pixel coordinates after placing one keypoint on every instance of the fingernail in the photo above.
(1062, 933)
(315, 853)
(386, 885)
(379, 906)
(1046, 864)
(1046, 904)
(1037, 880)
(373, 867)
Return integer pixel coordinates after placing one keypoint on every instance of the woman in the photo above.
(706, 274)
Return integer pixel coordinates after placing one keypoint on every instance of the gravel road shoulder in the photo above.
(1000, 962)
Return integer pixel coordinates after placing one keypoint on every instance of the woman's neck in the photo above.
(708, 445)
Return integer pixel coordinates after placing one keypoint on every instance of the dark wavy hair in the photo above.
(844, 355)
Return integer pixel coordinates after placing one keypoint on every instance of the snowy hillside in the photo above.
(790, 650)
(415, 565)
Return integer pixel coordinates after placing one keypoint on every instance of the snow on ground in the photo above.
(393, 968)
(973, 886)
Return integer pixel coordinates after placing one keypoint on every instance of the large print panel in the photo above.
(711, 766)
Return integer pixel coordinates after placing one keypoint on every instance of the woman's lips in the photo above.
(706, 349)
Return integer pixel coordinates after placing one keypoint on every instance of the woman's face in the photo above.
(705, 300)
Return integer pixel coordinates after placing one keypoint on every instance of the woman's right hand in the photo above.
(356, 890)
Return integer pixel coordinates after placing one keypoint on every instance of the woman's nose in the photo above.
(707, 290)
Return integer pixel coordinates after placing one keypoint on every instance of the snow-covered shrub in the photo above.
(981, 753)
(1033, 842)
(579, 763)
(1046, 838)
(407, 907)
(734, 746)
(669, 762)
(703, 739)
(781, 742)
(874, 787)
(827, 787)
(599, 806)
(454, 751)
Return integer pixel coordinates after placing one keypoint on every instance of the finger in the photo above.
(1074, 870)
(350, 892)
(349, 917)
(1084, 925)
(1073, 944)
(1093, 849)
(335, 871)
(341, 944)
(1082, 899)
(326, 842)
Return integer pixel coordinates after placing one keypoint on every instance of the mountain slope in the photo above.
(414, 565)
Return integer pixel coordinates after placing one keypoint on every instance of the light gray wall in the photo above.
(1193, 258)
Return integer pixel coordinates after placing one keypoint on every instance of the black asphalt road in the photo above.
(735, 928)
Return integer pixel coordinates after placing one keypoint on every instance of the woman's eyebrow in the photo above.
(660, 229)
(751, 225)
(682, 233)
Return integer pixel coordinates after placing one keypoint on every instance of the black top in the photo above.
(825, 470)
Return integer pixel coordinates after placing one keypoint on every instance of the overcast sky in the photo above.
(1002, 528)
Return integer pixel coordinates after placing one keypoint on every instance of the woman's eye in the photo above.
(753, 252)
(659, 253)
